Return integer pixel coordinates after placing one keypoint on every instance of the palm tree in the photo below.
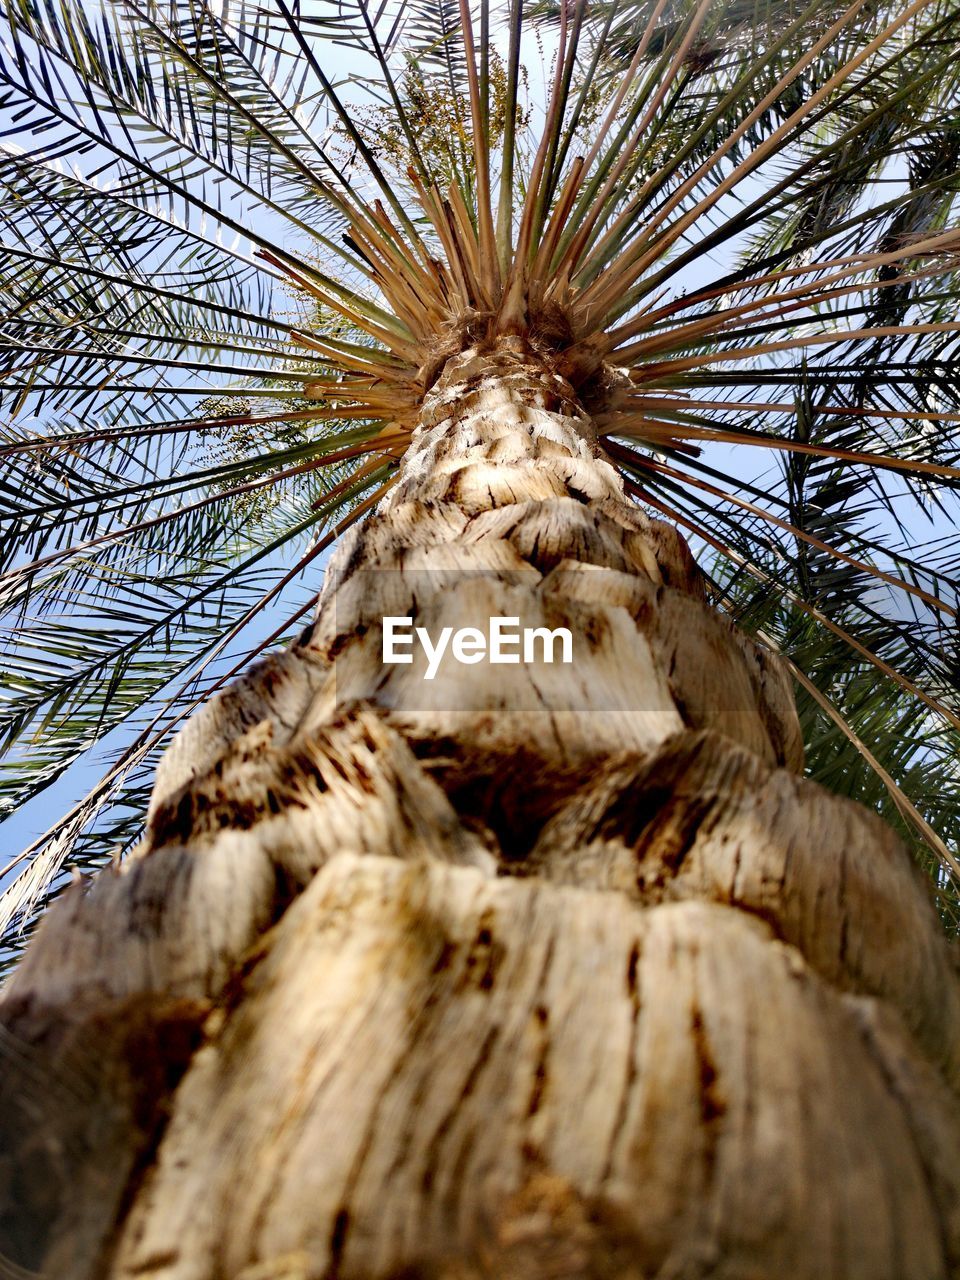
(567, 969)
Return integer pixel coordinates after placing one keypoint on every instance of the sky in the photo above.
(35, 817)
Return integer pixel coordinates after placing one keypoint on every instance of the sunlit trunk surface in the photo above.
(529, 970)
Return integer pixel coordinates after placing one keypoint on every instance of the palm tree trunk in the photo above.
(528, 970)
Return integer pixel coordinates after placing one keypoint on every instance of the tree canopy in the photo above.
(238, 242)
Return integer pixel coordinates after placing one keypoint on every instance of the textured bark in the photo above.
(535, 971)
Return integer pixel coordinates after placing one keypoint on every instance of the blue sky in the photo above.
(746, 464)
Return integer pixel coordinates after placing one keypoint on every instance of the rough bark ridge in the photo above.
(530, 971)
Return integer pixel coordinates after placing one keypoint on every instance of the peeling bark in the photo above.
(535, 971)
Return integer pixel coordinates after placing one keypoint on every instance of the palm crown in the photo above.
(239, 242)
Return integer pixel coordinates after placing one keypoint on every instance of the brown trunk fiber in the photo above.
(528, 971)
